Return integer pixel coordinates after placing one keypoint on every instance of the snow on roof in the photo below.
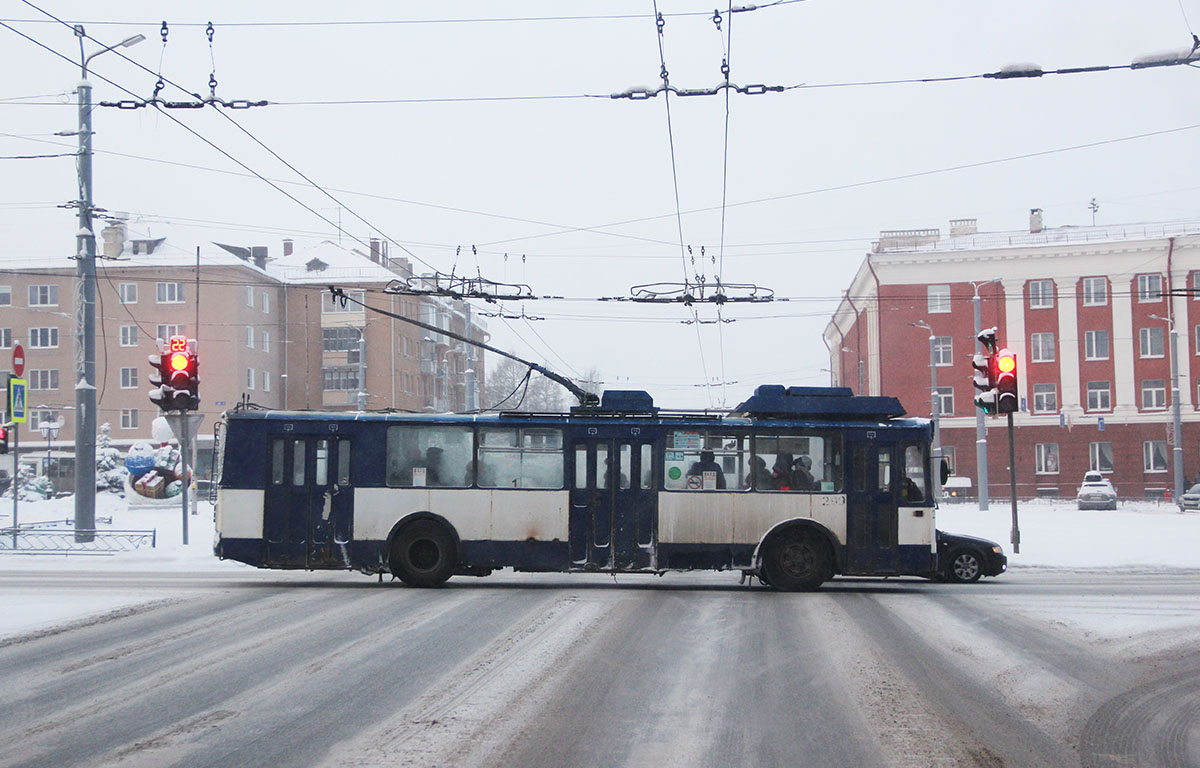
(328, 262)
(980, 241)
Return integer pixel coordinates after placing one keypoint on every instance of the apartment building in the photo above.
(267, 327)
(1089, 313)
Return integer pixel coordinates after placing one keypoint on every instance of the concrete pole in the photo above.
(980, 423)
(935, 410)
(85, 328)
(1175, 418)
(362, 369)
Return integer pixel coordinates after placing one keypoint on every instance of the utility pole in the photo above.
(1176, 426)
(85, 308)
(935, 412)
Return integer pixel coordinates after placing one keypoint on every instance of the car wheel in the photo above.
(423, 554)
(964, 567)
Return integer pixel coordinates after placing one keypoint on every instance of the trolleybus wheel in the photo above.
(423, 554)
(796, 561)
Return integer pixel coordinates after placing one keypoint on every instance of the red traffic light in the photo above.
(178, 361)
(1006, 363)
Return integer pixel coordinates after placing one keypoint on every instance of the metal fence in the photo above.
(39, 540)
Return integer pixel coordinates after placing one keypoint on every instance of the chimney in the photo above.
(287, 246)
(259, 254)
(375, 249)
(960, 227)
(114, 239)
(1035, 221)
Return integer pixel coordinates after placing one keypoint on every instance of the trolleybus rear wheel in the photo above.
(423, 554)
(797, 561)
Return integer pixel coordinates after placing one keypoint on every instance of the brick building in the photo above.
(266, 326)
(1080, 307)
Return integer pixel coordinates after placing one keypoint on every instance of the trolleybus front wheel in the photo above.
(797, 560)
(423, 554)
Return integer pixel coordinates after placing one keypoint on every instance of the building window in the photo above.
(1154, 394)
(946, 401)
(127, 292)
(43, 379)
(265, 300)
(250, 337)
(332, 306)
(1149, 288)
(249, 296)
(1047, 458)
(129, 418)
(1042, 348)
(939, 298)
(165, 332)
(5, 295)
(1100, 457)
(43, 338)
(1151, 341)
(341, 340)
(5, 338)
(1099, 396)
(129, 335)
(266, 341)
(249, 378)
(43, 295)
(943, 350)
(341, 379)
(169, 293)
(129, 378)
(1095, 345)
(1154, 455)
(1041, 294)
(1095, 291)
(1045, 398)
(266, 381)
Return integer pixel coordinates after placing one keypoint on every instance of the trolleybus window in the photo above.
(277, 461)
(702, 460)
(808, 463)
(428, 454)
(647, 465)
(512, 457)
(914, 474)
(343, 473)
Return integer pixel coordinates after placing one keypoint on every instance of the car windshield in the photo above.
(1194, 489)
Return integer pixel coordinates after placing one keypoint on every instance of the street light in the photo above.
(50, 432)
(85, 319)
(980, 422)
(935, 410)
(1175, 418)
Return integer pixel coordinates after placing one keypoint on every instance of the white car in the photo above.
(1191, 498)
(1096, 492)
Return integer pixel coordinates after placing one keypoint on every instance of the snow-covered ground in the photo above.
(1054, 534)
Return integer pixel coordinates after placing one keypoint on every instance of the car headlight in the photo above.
(997, 550)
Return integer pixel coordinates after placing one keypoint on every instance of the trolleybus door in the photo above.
(613, 504)
(871, 512)
(309, 502)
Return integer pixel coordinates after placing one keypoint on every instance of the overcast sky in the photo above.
(580, 192)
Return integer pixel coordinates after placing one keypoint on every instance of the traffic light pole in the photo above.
(980, 422)
(1012, 485)
(183, 456)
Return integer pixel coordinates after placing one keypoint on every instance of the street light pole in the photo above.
(85, 308)
(980, 423)
(1176, 425)
(935, 411)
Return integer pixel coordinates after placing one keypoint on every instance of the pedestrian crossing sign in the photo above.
(16, 400)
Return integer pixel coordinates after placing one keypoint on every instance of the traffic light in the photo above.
(1007, 400)
(987, 337)
(987, 398)
(175, 375)
(4, 439)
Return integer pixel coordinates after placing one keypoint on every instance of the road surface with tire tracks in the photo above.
(1036, 668)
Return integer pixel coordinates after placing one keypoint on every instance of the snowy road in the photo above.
(1041, 667)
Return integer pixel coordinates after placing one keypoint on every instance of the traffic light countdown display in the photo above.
(175, 376)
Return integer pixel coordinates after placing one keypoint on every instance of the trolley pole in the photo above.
(183, 453)
(1012, 485)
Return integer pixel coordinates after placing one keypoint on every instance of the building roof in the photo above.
(328, 262)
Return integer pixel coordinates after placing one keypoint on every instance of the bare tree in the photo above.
(507, 390)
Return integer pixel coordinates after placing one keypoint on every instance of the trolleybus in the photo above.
(794, 486)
